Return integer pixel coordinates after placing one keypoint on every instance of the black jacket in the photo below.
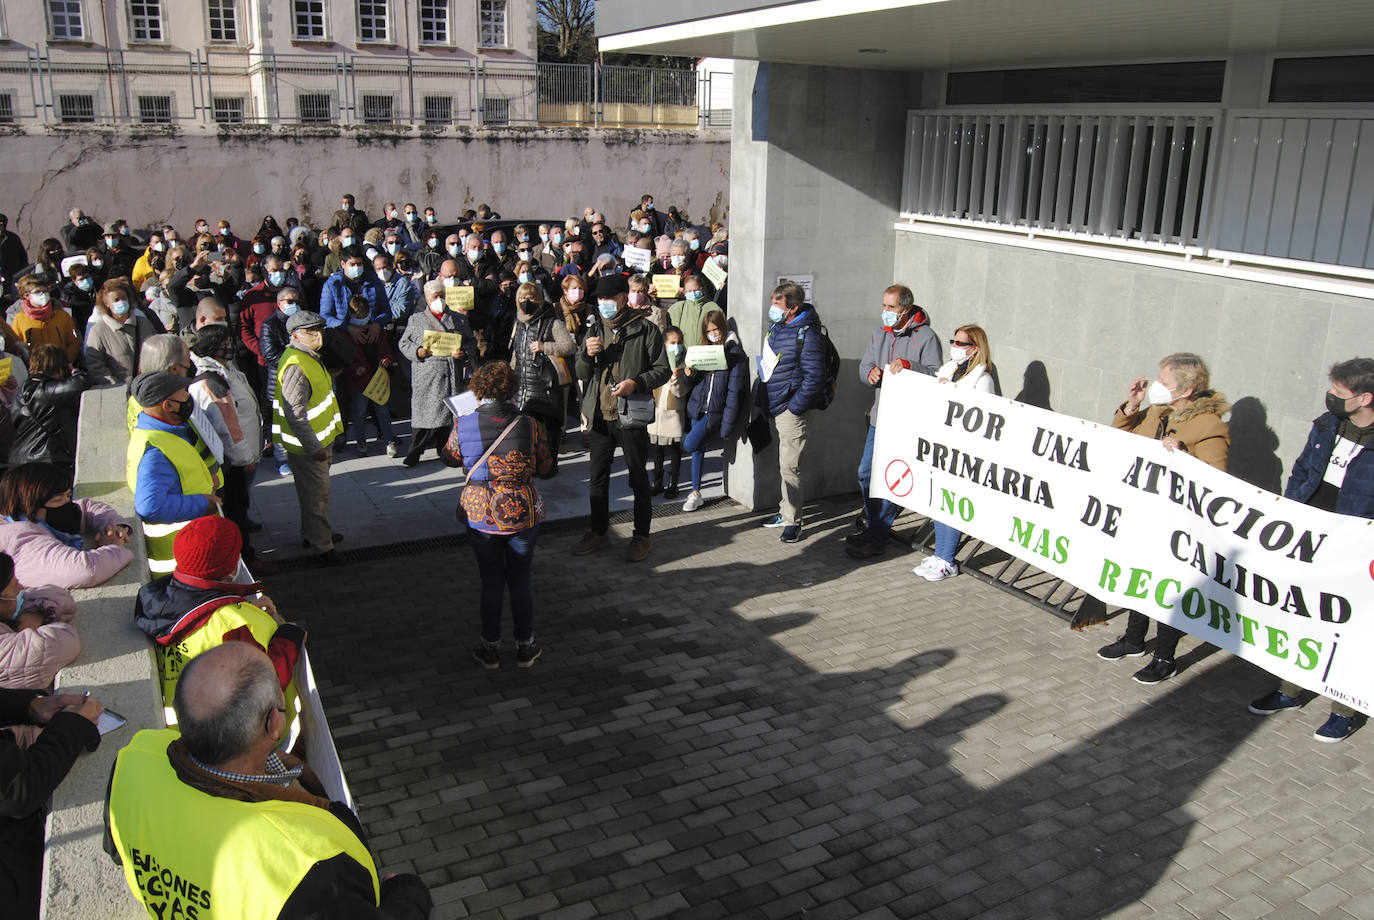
(45, 419)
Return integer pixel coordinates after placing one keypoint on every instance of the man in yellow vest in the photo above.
(217, 822)
(173, 474)
(305, 421)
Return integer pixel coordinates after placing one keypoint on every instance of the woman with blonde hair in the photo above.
(968, 368)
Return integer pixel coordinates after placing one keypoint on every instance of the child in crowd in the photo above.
(688, 312)
(665, 431)
(372, 350)
(717, 400)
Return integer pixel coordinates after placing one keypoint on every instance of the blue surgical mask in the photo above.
(18, 602)
(120, 308)
(393, 248)
(694, 296)
(353, 320)
(675, 351)
(85, 284)
(259, 249)
(430, 218)
(290, 307)
(775, 314)
(543, 237)
(607, 308)
(524, 278)
(695, 244)
(498, 248)
(889, 318)
(276, 279)
(354, 272)
(454, 250)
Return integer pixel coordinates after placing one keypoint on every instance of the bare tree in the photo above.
(570, 21)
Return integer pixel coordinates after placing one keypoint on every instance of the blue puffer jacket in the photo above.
(337, 289)
(799, 376)
(1357, 491)
(717, 396)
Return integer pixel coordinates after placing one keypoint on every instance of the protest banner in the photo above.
(714, 273)
(379, 388)
(667, 287)
(442, 344)
(459, 298)
(706, 357)
(636, 258)
(1283, 585)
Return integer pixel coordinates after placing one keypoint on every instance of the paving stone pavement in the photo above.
(742, 728)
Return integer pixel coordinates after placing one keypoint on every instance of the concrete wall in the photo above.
(153, 176)
(816, 160)
(1070, 332)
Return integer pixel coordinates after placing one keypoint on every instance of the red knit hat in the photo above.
(208, 547)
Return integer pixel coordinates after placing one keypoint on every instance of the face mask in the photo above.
(356, 321)
(120, 308)
(695, 244)
(474, 255)
(638, 298)
(18, 601)
(649, 206)
(124, 231)
(393, 248)
(607, 308)
(85, 284)
(454, 249)
(1159, 394)
(694, 296)
(111, 242)
(890, 320)
(345, 241)
(410, 216)
(345, 206)
(775, 314)
(290, 307)
(574, 295)
(674, 351)
(276, 279)
(183, 410)
(384, 274)
(524, 278)
(556, 240)
(450, 281)
(522, 237)
(678, 261)
(713, 337)
(432, 243)
(223, 231)
(436, 306)
(259, 249)
(498, 248)
(354, 272)
(391, 214)
(430, 218)
(524, 256)
(159, 247)
(958, 355)
(39, 298)
(543, 237)
(1336, 406)
(97, 263)
(643, 228)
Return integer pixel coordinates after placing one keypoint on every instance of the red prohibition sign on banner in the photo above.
(898, 478)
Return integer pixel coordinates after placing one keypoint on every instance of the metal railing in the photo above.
(59, 85)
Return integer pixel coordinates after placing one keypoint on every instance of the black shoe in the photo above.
(867, 549)
(861, 522)
(1121, 648)
(488, 656)
(670, 490)
(330, 558)
(1157, 671)
(526, 655)
(857, 538)
(790, 534)
(657, 487)
(336, 538)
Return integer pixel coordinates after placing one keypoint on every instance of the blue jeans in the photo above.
(359, 414)
(505, 560)
(695, 444)
(946, 542)
(880, 512)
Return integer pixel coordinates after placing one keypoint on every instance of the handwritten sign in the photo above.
(379, 390)
(666, 287)
(459, 298)
(443, 344)
(714, 273)
(706, 357)
(636, 258)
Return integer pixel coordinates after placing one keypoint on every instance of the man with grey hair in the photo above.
(240, 827)
(170, 353)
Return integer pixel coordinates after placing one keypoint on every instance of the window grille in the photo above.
(434, 22)
(495, 110)
(228, 110)
(491, 23)
(377, 110)
(76, 108)
(315, 108)
(155, 110)
(6, 108)
(438, 110)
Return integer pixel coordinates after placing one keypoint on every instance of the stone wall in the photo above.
(151, 176)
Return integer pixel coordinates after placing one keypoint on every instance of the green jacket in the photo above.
(638, 349)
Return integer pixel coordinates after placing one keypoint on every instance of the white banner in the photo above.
(1279, 583)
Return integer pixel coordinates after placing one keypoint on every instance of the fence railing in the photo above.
(1270, 188)
(57, 86)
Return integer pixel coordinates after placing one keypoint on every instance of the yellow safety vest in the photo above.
(190, 854)
(322, 411)
(172, 659)
(199, 474)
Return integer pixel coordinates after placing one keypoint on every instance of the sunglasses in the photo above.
(960, 344)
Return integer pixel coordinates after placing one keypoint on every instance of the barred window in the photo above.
(495, 111)
(76, 108)
(438, 110)
(309, 18)
(155, 110)
(65, 21)
(377, 110)
(228, 110)
(146, 20)
(491, 23)
(315, 108)
(373, 25)
(434, 22)
(6, 108)
(224, 20)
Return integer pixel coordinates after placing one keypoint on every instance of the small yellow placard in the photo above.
(443, 344)
(6, 370)
(667, 287)
(459, 298)
(379, 390)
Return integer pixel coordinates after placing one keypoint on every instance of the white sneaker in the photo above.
(693, 502)
(924, 566)
(939, 570)
(391, 449)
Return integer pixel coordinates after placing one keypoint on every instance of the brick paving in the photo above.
(740, 728)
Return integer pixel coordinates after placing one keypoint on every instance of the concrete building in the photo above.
(1097, 184)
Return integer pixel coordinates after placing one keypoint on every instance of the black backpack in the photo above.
(832, 366)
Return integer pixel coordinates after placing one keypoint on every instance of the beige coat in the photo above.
(666, 428)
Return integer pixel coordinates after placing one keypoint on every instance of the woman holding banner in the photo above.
(1184, 414)
(970, 361)
(437, 372)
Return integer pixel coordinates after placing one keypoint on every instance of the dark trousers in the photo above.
(505, 561)
(421, 438)
(602, 440)
(235, 495)
(1166, 641)
(672, 454)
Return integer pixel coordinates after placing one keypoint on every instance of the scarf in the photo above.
(38, 314)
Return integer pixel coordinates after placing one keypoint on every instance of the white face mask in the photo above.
(450, 281)
(474, 255)
(713, 336)
(679, 261)
(436, 306)
(1159, 394)
(39, 298)
(384, 274)
(454, 249)
(958, 355)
